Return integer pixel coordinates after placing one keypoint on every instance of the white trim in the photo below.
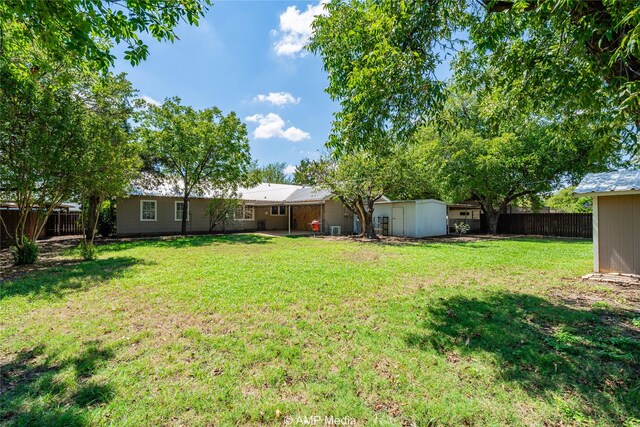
(278, 206)
(155, 210)
(596, 239)
(245, 207)
(175, 211)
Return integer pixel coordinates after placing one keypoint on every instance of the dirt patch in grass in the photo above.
(50, 256)
(588, 294)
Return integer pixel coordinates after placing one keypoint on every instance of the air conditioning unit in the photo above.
(335, 230)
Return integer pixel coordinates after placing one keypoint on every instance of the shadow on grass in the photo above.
(545, 347)
(32, 393)
(178, 242)
(59, 280)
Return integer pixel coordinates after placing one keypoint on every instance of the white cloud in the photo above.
(151, 101)
(289, 170)
(272, 126)
(277, 98)
(295, 29)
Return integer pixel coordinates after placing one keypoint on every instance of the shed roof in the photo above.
(624, 180)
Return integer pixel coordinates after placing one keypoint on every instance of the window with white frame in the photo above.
(179, 211)
(243, 213)
(278, 210)
(148, 210)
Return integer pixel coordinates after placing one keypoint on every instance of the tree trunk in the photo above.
(493, 217)
(185, 214)
(93, 211)
(365, 214)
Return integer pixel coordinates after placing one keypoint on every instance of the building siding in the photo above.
(335, 213)
(619, 234)
(128, 217)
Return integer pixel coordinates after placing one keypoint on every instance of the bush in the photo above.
(462, 228)
(88, 251)
(26, 255)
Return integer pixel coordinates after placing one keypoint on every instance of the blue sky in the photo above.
(246, 56)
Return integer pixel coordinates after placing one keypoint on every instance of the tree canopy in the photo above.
(564, 200)
(382, 55)
(529, 153)
(272, 173)
(86, 30)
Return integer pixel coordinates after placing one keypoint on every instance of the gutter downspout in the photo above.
(289, 218)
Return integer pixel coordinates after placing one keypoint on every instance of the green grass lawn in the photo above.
(251, 329)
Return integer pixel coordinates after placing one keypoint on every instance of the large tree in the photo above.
(203, 149)
(110, 159)
(472, 155)
(382, 57)
(86, 30)
(41, 137)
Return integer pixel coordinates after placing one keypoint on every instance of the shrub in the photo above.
(27, 254)
(88, 251)
(462, 227)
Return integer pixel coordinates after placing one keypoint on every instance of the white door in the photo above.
(397, 222)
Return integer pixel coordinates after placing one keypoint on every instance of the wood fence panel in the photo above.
(58, 224)
(547, 224)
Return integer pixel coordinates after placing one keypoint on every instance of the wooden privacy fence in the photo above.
(63, 224)
(547, 224)
(58, 224)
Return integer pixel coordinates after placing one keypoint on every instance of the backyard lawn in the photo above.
(253, 329)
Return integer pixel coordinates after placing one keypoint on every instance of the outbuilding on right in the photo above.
(616, 220)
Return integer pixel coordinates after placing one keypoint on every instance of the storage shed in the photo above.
(616, 220)
(411, 218)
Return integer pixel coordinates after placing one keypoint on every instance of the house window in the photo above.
(148, 210)
(178, 211)
(243, 213)
(278, 210)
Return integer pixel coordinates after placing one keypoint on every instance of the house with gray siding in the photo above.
(157, 209)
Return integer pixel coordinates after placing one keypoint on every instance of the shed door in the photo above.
(397, 224)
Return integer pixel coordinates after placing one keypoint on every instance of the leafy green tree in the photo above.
(498, 163)
(202, 148)
(382, 55)
(304, 174)
(86, 30)
(41, 137)
(381, 58)
(360, 179)
(564, 200)
(220, 210)
(272, 173)
(110, 160)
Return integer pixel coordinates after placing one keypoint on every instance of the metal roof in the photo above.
(268, 192)
(308, 194)
(152, 186)
(624, 180)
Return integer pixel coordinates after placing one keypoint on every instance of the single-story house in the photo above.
(158, 209)
(616, 220)
(410, 218)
